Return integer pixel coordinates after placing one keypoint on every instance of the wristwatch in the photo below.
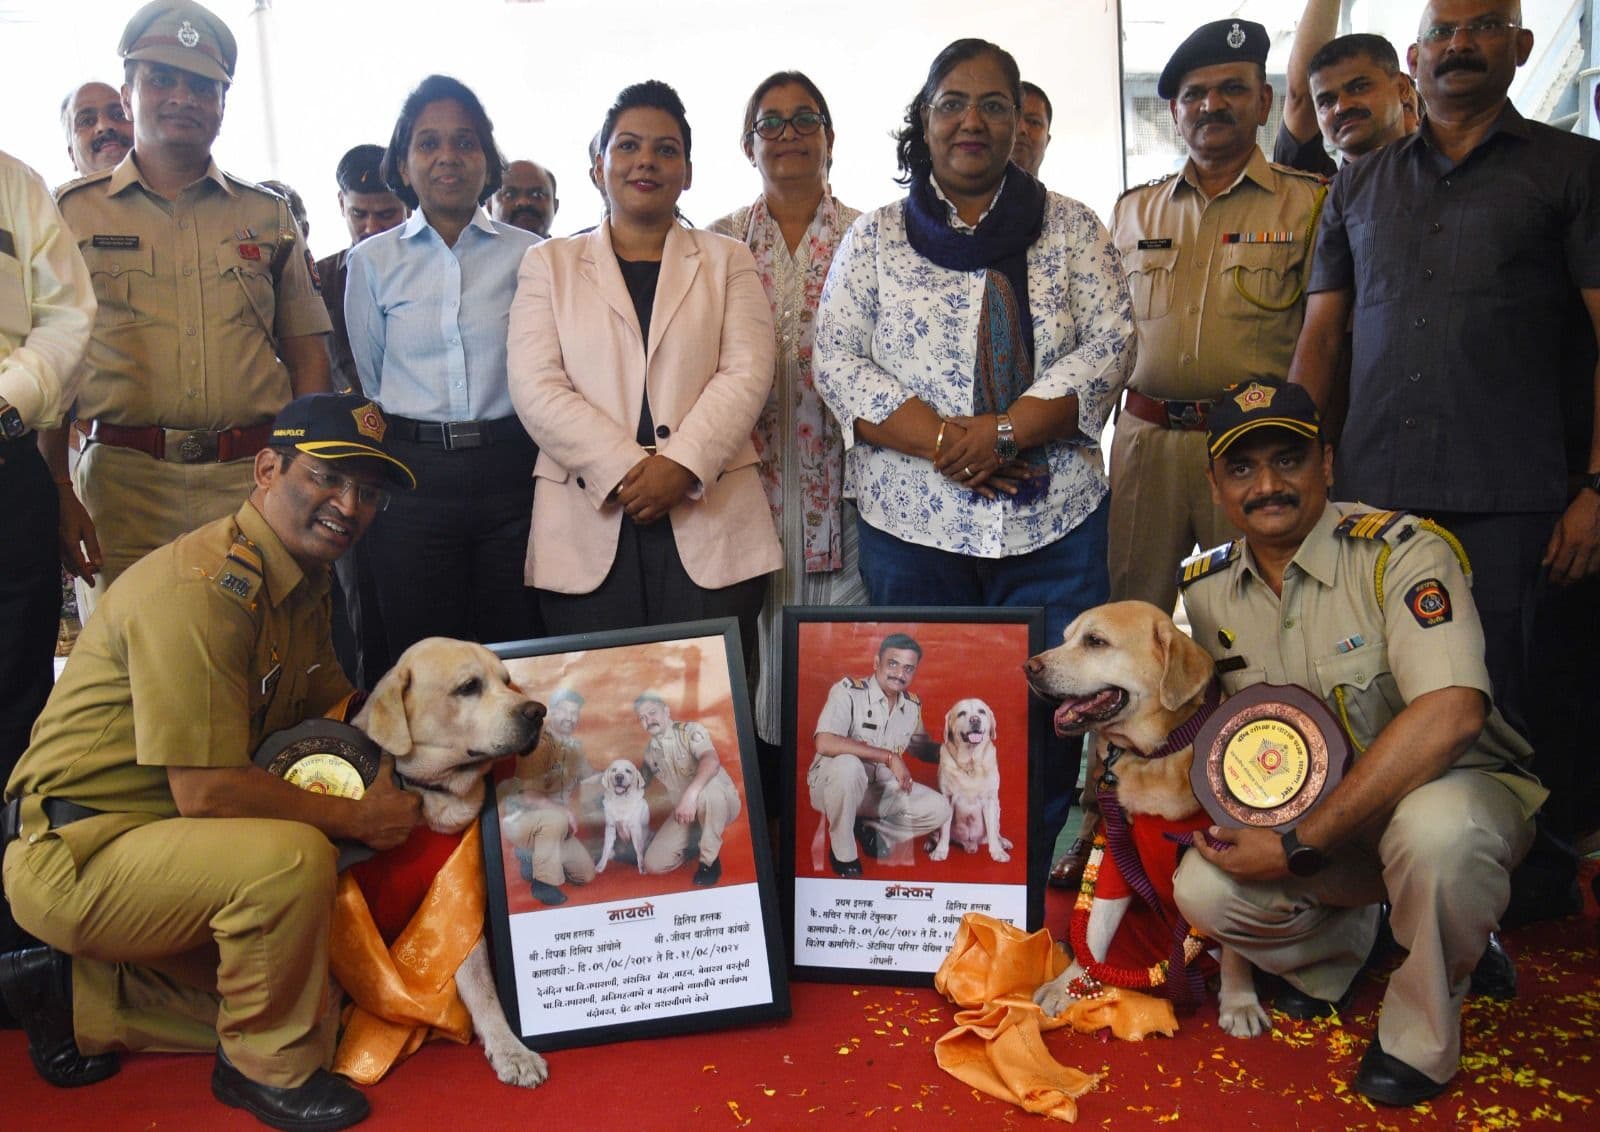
(1591, 480)
(1005, 440)
(1304, 860)
(12, 426)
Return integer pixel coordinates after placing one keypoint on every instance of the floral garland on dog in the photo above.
(1099, 974)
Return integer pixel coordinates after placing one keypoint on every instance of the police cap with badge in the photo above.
(182, 34)
(328, 756)
(1221, 41)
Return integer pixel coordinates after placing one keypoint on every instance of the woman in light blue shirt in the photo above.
(427, 307)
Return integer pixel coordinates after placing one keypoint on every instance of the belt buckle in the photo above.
(462, 434)
(1187, 418)
(193, 447)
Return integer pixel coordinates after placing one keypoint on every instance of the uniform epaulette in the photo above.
(912, 697)
(854, 683)
(1208, 562)
(1150, 184)
(1372, 525)
(240, 573)
(1303, 174)
(79, 182)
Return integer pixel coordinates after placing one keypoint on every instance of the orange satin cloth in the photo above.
(401, 996)
(997, 1045)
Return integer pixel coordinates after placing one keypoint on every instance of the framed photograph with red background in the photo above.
(652, 943)
(892, 921)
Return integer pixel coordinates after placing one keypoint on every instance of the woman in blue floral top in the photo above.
(972, 341)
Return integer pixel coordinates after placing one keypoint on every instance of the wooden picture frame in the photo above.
(895, 921)
(640, 949)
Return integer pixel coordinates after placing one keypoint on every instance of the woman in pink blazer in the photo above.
(640, 356)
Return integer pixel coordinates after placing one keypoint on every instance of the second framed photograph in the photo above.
(910, 789)
(629, 871)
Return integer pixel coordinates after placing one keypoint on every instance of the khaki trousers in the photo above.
(1160, 508)
(186, 933)
(843, 788)
(1443, 860)
(718, 805)
(556, 857)
(139, 503)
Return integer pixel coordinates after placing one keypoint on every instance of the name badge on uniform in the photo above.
(1160, 245)
(869, 726)
(117, 243)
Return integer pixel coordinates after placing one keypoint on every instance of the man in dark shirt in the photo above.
(1461, 251)
(1348, 92)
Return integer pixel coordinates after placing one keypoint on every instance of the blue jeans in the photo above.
(1066, 577)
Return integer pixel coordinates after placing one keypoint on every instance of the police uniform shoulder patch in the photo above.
(911, 698)
(77, 183)
(240, 572)
(854, 683)
(1208, 562)
(1429, 603)
(1374, 525)
(1299, 174)
(1150, 184)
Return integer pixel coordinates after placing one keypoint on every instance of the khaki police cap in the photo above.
(181, 34)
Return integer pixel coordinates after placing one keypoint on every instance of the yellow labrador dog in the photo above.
(969, 776)
(627, 812)
(445, 711)
(1128, 673)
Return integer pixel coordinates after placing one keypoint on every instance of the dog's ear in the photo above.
(384, 716)
(1186, 668)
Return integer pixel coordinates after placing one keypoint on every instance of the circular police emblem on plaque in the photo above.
(190, 37)
(1267, 756)
(1235, 37)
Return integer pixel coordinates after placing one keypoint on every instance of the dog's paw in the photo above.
(1005, 843)
(1245, 1019)
(999, 853)
(601, 867)
(938, 854)
(517, 1065)
(1053, 997)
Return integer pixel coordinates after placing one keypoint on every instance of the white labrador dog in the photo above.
(969, 776)
(445, 711)
(1128, 673)
(627, 812)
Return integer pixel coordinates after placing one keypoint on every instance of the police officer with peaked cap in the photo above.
(186, 894)
(209, 321)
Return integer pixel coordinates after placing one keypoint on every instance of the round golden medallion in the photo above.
(322, 772)
(1265, 763)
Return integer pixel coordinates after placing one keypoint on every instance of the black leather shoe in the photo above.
(1302, 1007)
(844, 868)
(1390, 1081)
(547, 893)
(1067, 872)
(37, 985)
(525, 865)
(707, 875)
(873, 843)
(1495, 976)
(323, 1104)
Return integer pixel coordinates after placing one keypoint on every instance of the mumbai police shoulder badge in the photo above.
(370, 422)
(1429, 603)
(189, 35)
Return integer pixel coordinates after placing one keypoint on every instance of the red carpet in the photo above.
(864, 1055)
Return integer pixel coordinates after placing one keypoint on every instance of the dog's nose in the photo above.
(1033, 666)
(533, 711)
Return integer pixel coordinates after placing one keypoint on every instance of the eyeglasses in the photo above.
(366, 494)
(956, 106)
(1486, 27)
(804, 122)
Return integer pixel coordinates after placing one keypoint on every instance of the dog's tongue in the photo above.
(1070, 715)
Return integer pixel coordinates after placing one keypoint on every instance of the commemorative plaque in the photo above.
(324, 756)
(1267, 756)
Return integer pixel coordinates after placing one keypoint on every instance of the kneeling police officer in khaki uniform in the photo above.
(185, 894)
(1371, 611)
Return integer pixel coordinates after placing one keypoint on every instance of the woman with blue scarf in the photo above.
(972, 341)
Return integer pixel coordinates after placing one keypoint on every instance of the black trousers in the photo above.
(30, 611)
(447, 558)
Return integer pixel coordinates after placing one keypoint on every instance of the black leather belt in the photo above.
(457, 434)
(58, 811)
